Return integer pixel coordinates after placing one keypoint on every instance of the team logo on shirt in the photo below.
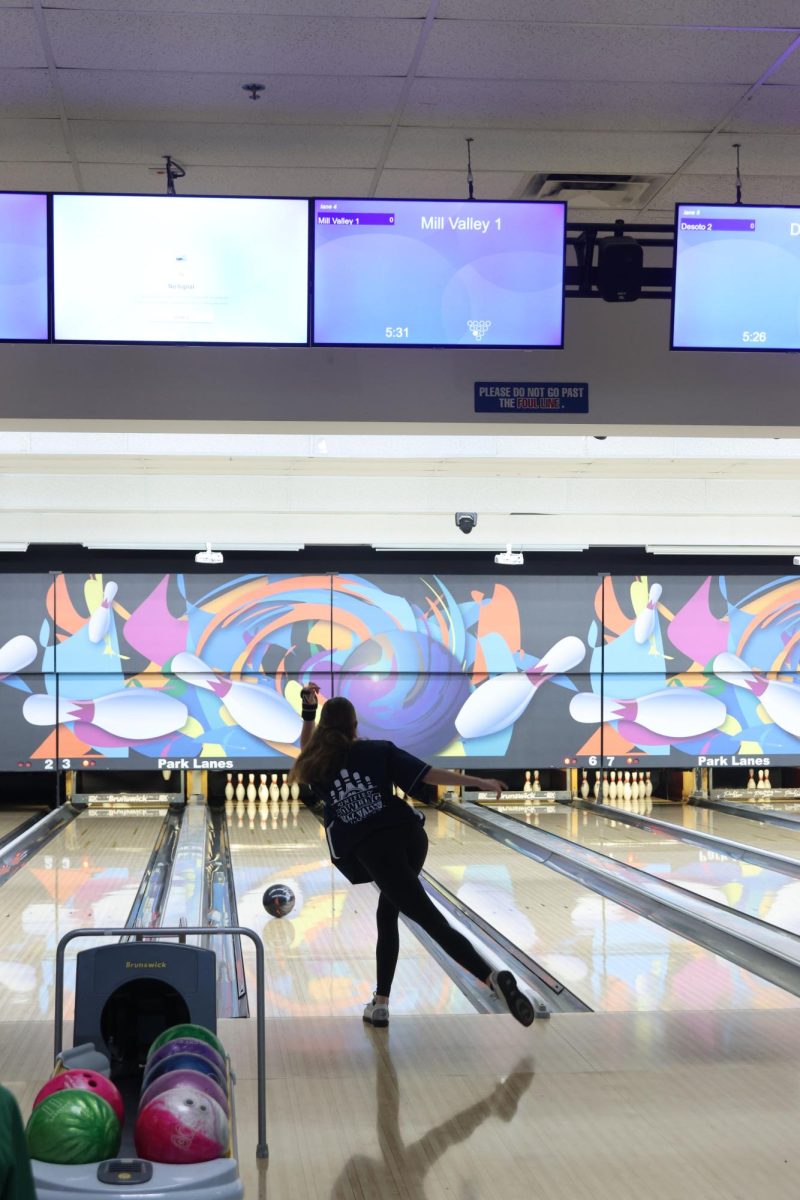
(354, 797)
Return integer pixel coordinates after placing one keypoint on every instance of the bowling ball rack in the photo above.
(127, 1176)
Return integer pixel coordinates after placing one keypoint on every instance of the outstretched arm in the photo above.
(309, 697)
(438, 775)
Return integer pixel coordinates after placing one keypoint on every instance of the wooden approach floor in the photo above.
(672, 1106)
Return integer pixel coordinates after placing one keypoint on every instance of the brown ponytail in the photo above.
(330, 742)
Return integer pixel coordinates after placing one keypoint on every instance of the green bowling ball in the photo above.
(187, 1031)
(73, 1126)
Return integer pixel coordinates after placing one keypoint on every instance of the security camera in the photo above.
(466, 522)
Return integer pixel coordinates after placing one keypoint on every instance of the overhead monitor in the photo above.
(737, 278)
(180, 269)
(438, 273)
(23, 267)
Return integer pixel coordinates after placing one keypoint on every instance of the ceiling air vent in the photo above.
(592, 191)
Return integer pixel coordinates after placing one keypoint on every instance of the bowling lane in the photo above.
(13, 818)
(320, 958)
(774, 838)
(749, 889)
(611, 958)
(86, 876)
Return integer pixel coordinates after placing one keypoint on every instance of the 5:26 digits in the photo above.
(752, 337)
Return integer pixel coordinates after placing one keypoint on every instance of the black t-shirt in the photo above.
(359, 800)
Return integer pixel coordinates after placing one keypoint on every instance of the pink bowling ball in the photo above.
(203, 1083)
(182, 1125)
(87, 1081)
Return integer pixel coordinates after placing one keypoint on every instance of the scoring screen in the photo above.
(23, 267)
(180, 269)
(737, 278)
(442, 273)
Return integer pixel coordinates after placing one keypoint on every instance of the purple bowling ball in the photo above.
(186, 1045)
(184, 1062)
(202, 1083)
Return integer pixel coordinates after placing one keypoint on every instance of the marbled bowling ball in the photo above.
(406, 687)
(182, 1125)
(86, 1081)
(73, 1126)
(187, 1030)
(195, 1079)
(184, 1062)
(278, 900)
(186, 1045)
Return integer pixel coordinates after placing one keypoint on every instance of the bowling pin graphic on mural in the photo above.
(499, 702)
(780, 701)
(261, 711)
(645, 624)
(134, 714)
(670, 713)
(101, 618)
(16, 654)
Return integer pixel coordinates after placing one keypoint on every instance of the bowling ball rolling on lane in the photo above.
(278, 900)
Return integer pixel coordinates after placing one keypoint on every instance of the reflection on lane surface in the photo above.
(611, 958)
(321, 958)
(86, 876)
(749, 889)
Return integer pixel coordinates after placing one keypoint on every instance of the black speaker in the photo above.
(620, 263)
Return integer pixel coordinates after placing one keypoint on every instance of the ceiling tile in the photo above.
(37, 176)
(27, 93)
(238, 43)
(762, 154)
(575, 104)
(31, 141)
(522, 150)
(729, 13)
(524, 50)
(200, 96)
(770, 109)
(229, 145)
(274, 8)
(448, 185)
(19, 39)
(720, 189)
(221, 181)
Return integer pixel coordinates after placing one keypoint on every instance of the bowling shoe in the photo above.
(504, 986)
(376, 1014)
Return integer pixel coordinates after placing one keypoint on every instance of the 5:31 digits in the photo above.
(396, 332)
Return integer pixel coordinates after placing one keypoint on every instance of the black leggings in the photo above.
(394, 858)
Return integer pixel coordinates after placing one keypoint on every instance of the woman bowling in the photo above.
(374, 836)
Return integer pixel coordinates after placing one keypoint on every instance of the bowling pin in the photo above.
(274, 790)
(135, 714)
(761, 785)
(258, 710)
(294, 791)
(648, 786)
(100, 620)
(767, 783)
(597, 785)
(536, 786)
(285, 787)
(499, 702)
(605, 785)
(527, 786)
(250, 791)
(751, 780)
(626, 787)
(166, 775)
(263, 793)
(240, 788)
(229, 787)
(780, 701)
(585, 785)
(634, 787)
(676, 712)
(16, 654)
(612, 787)
(645, 623)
